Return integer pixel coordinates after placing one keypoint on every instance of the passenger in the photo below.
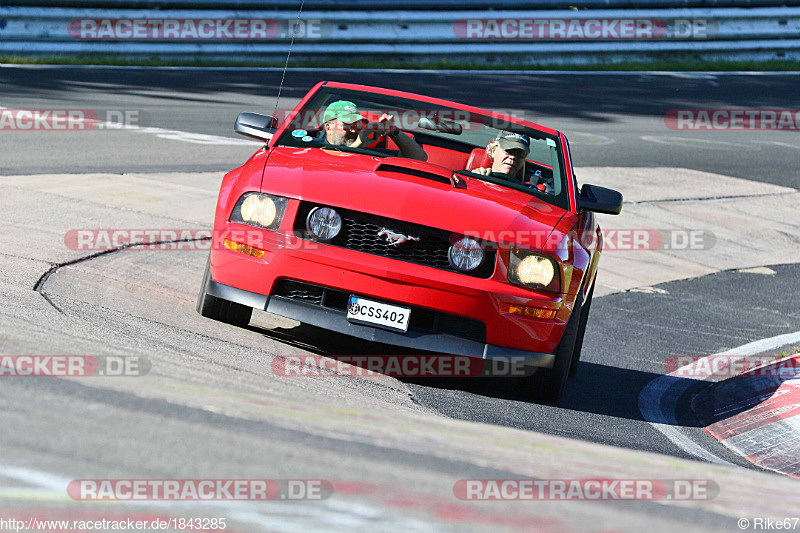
(507, 152)
(345, 126)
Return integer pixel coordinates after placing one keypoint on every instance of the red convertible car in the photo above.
(415, 222)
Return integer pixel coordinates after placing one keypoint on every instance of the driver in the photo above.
(507, 152)
(345, 126)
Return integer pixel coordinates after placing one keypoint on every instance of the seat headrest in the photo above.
(479, 158)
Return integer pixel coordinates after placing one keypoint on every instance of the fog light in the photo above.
(466, 254)
(243, 248)
(324, 223)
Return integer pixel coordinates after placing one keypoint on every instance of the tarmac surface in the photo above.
(211, 406)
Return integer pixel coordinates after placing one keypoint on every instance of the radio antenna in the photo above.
(291, 43)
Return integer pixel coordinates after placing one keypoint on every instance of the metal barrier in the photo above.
(402, 5)
(510, 37)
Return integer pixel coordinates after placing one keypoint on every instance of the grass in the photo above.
(795, 351)
(658, 65)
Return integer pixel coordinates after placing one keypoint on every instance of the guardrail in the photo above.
(522, 37)
(403, 5)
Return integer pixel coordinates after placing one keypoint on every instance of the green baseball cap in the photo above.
(345, 111)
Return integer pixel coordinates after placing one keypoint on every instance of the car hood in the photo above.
(409, 190)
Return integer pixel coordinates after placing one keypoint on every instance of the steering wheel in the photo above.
(376, 139)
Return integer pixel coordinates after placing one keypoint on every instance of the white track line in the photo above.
(658, 398)
(183, 136)
(763, 345)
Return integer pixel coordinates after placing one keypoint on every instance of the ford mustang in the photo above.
(415, 222)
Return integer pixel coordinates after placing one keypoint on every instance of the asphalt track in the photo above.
(611, 119)
(211, 408)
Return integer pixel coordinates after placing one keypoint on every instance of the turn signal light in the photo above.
(532, 312)
(243, 248)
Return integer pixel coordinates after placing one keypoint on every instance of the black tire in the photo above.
(218, 309)
(548, 384)
(576, 354)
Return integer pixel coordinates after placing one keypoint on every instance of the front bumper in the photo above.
(485, 300)
(336, 320)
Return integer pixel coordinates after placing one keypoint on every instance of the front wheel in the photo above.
(576, 354)
(548, 384)
(218, 309)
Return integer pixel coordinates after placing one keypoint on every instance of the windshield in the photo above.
(456, 139)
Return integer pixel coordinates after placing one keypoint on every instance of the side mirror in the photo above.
(600, 200)
(254, 125)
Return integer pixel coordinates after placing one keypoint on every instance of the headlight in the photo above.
(260, 210)
(466, 254)
(533, 270)
(324, 223)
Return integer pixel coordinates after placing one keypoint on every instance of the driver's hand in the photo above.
(482, 171)
(386, 124)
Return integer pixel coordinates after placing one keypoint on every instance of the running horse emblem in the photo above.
(394, 238)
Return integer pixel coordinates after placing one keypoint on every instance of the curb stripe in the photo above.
(768, 433)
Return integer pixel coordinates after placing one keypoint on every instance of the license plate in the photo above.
(363, 311)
